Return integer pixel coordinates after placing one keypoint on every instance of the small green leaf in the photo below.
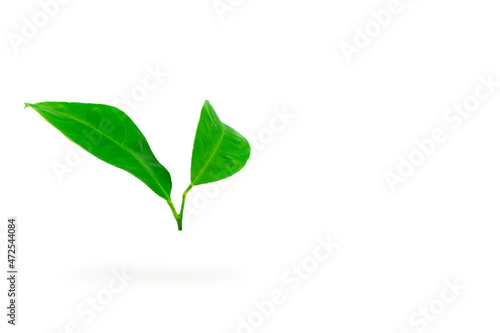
(219, 151)
(110, 135)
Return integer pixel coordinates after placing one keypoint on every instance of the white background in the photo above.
(321, 174)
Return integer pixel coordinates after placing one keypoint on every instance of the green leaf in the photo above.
(219, 151)
(110, 135)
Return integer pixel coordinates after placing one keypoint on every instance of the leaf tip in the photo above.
(27, 105)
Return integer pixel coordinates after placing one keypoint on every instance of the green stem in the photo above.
(178, 217)
(169, 202)
(184, 198)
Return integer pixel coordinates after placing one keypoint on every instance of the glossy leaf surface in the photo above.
(219, 151)
(109, 134)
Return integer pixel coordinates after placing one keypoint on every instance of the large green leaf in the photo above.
(110, 135)
(219, 151)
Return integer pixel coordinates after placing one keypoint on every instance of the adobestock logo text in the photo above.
(453, 118)
(31, 26)
(293, 278)
(363, 36)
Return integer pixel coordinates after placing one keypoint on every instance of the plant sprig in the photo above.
(110, 135)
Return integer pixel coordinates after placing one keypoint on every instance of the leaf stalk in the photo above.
(179, 216)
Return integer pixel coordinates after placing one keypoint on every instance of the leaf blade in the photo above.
(110, 135)
(219, 151)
